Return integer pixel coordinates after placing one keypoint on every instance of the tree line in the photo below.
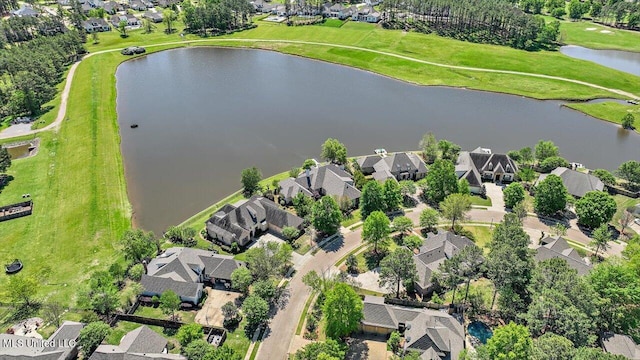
(30, 72)
(486, 21)
(214, 16)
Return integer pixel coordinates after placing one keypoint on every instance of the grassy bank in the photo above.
(609, 111)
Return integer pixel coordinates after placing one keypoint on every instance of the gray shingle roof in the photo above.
(430, 329)
(576, 182)
(139, 344)
(395, 164)
(69, 330)
(559, 248)
(158, 285)
(618, 344)
(434, 251)
(327, 180)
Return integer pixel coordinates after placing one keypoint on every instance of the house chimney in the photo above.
(144, 264)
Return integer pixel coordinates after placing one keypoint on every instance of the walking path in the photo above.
(65, 92)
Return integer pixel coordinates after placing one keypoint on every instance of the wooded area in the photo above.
(213, 16)
(486, 21)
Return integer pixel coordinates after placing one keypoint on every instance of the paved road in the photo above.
(275, 345)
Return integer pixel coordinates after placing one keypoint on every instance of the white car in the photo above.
(637, 221)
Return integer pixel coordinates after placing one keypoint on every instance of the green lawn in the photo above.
(303, 244)
(609, 111)
(482, 235)
(156, 313)
(576, 33)
(336, 23)
(352, 219)
(483, 287)
(623, 203)
(478, 200)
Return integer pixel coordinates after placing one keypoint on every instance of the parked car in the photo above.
(133, 50)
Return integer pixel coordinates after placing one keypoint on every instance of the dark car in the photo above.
(133, 50)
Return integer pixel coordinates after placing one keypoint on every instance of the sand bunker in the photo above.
(591, 29)
(605, 31)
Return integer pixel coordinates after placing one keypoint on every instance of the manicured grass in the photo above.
(124, 327)
(482, 235)
(352, 219)
(78, 188)
(365, 292)
(576, 33)
(305, 310)
(336, 23)
(478, 200)
(156, 313)
(344, 258)
(303, 244)
(623, 202)
(237, 340)
(609, 111)
(254, 352)
(483, 287)
(579, 249)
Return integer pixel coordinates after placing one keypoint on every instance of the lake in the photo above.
(204, 114)
(626, 61)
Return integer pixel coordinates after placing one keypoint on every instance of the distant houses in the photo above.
(559, 248)
(435, 250)
(319, 181)
(576, 182)
(481, 165)
(25, 11)
(366, 13)
(241, 222)
(155, 17)
(131, 20)
(185, 270)
(92, 25)
(435, 334)
(401, 166)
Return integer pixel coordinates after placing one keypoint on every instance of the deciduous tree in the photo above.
(5, 159)
(189, 333)
(550, 196)
(429, 147)
(392, 195)
(372, 199)
(256, 311)
(91, 336)
(455, 207)
(326, 215)
(441, 181)
(595, 208)
(628, 121)
(376, 229)
(302, 204)
(250, 179)
(605, 176)
(334, 151)
(630, 171)
(396, 268)
(402, 224)
(509, 342)
(429, 218)
(546, 148)
(600, 238)
(513, 194)
(170, 303)
(342, 311)
(138, 245)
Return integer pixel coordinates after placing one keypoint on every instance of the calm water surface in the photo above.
(626, 61)
(205, 114)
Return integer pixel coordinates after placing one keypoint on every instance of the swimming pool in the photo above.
(480, 330)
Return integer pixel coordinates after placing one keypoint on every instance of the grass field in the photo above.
(576, 33)
(609, 111)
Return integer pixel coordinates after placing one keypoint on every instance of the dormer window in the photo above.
(508, 168)
(490, 166)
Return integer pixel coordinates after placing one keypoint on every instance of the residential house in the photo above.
(167, 3)
(435, 334)
(132, 21)
(482, 165)
(338, 11)
(155, 17)
(61, 345)
(401, 166)
(96, 3)
(111, 7)
(141, 343)
(184, 270)
(576, 182)
(242, 221)
(95, 25)
(618, 344)
(366, 14)
(320, 181)
(435, 250)
(86, 7)
(25, 11)
(557, 247)
(137, 5)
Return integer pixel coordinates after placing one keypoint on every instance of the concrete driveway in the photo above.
(211, 312)
(494, 192)
(369, 281)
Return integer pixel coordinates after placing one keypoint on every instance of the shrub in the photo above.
(136, 271)
(550, 163)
